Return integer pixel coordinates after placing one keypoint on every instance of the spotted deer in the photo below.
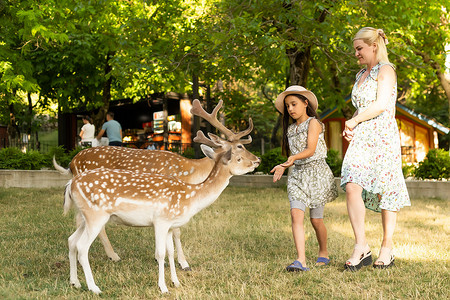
(158, 162)
(145, 199)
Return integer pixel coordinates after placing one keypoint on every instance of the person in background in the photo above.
(372, 168)
(112, 129)
(87, 132)
(311, 183)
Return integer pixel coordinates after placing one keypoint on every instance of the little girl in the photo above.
(311, 182)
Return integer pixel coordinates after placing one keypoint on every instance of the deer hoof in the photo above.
(114, 257)
(76, 284)
(95, 290)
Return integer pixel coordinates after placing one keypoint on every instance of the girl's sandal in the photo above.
(296, 266)
(361, 256)
(385, 259)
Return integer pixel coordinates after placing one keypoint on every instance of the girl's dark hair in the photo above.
(86, 117)
(288, 120)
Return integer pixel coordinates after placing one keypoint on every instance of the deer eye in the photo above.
(239, 160)
(240, 146)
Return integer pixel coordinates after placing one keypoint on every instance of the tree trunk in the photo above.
(99, 118)
(438, 70)
(13, 129)
(274, 142)
(196, 127)
(298, 65)
(30, 124)
(209, 107)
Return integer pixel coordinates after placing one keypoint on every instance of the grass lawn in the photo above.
(237, 248)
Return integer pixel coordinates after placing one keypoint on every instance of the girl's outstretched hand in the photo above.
(290, 161)
(277, 172)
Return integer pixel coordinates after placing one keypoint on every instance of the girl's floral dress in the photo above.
(310, 181)
(373, 158)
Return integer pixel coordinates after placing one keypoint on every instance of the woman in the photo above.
(87, 132)
(372, 169)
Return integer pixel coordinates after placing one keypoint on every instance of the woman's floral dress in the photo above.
(311, 180)
(373, 158)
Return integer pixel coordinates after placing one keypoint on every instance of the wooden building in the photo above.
(157, 122)
(418, 133)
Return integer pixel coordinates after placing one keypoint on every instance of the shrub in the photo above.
(435, 166)
(334, 161)
(13, 158)
(10, 158)
(270, 159)
(189, 152)
(408, 170)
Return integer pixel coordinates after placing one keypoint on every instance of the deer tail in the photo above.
(59, 168)
(68, 197)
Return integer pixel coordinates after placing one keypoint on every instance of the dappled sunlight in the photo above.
(342, 228)
(345, 228)
(421, 252)
(433, 216)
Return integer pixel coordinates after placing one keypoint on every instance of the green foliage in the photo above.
(13, 158)
(270, 159)
(274, 157)
(189, 153)
(408, 170)
(334, 161)
(435, 166)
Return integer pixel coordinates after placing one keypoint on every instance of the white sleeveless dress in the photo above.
(373, 158)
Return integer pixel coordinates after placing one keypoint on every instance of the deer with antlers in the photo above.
(144, 199)
(158, 162)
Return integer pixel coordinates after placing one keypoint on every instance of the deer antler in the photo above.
(198, 110)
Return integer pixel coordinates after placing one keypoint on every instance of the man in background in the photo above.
(113, 130)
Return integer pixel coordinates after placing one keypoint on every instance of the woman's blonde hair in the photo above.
(370, 35)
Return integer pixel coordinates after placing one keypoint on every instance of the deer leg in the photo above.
(181, 258)
(104, 239)
(170, 254)
(73, 239)
(161, 232)
(107, 245)
(91, 231)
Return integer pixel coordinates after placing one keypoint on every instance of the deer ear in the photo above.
(215, 138)
(208, 151)
(226, 157)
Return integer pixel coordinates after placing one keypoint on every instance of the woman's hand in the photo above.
(347, 134)
(279, 170)
(351, 124)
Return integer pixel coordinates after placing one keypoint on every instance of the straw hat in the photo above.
(295, 90)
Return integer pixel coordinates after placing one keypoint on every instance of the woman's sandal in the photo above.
(361, 256)
(385, 259)
(296, 266)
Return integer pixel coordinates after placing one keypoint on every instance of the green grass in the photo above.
(238, 248)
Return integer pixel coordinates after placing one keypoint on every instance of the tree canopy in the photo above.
(86, 53)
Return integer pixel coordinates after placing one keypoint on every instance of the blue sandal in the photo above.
(323, 260)
(296, 266)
